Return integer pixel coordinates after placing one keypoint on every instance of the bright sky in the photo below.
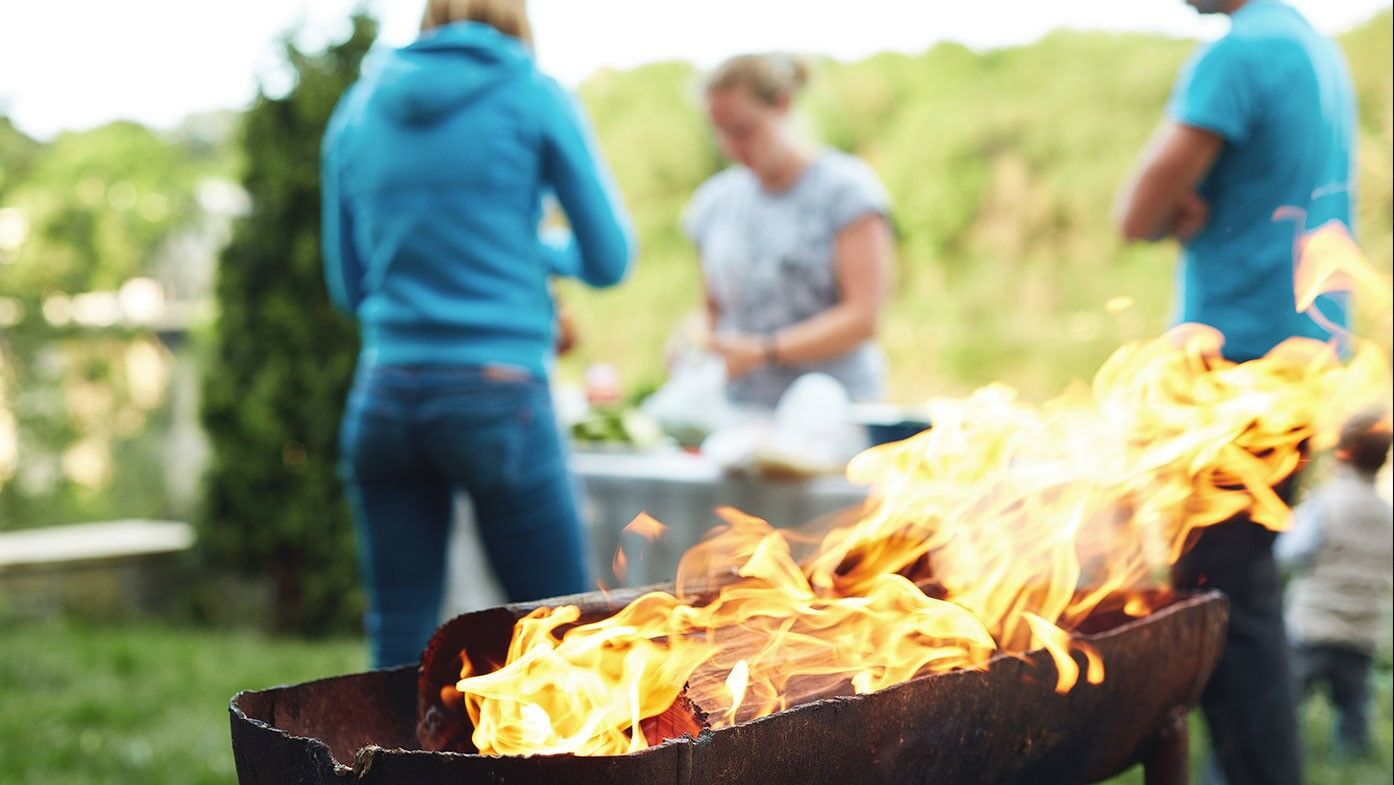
(79, 63)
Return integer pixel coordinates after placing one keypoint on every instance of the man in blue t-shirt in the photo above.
(1256, 151)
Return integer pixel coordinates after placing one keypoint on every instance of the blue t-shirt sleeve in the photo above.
(1216, 91)
(856, 193)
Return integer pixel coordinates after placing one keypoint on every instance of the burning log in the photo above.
(723, 687)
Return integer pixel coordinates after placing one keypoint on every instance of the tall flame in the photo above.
(1002, 528)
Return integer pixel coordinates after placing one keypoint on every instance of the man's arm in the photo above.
(1161, 199)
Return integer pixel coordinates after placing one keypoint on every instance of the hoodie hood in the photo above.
(443, 70)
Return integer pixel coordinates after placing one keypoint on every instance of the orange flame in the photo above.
(736, 683)
(1329, 261)
(646, 526)
(1000, 529)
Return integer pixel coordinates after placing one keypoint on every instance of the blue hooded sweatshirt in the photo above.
(434, 167)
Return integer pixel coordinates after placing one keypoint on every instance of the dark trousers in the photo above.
(413, 436)
(1248, 702)
(1344, 673)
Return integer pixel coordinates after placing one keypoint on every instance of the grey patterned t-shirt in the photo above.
(769, 262)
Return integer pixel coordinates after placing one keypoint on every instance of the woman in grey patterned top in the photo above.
(795, 243)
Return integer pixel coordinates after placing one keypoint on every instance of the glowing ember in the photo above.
(1000, 529)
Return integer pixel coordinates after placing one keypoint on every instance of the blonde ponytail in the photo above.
(770, 78)
(509, 17)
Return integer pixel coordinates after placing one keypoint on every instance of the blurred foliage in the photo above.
(96, 208)
(282, 361)
(17, 153)
(86, 408)
(98, 204)
(1003, 167)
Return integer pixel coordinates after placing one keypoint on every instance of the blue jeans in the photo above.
(411, 437)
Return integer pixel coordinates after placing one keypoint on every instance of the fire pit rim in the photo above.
(318, 746)
(364, 755)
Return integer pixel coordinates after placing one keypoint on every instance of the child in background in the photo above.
(1342, 549)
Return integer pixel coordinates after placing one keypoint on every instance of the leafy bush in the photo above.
(282, 362)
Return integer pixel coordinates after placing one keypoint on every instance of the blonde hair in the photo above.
(509, 17)
(770, 78)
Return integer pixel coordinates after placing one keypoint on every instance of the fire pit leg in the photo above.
(1168, 762)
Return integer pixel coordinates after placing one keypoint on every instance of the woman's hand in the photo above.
(742, 353)
(567, 332)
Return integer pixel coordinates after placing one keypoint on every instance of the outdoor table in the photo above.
(680, 489)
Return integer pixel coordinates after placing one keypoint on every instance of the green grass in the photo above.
(146, 703)
(137, 703)
(1317, 723)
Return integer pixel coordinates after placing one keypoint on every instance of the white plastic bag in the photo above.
(692, 404)
(812, 432)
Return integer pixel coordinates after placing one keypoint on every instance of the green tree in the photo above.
(17, 153)
(282, 363)
(99, 203)
(95, 207)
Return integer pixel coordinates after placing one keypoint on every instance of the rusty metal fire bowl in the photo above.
(1005, 724)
